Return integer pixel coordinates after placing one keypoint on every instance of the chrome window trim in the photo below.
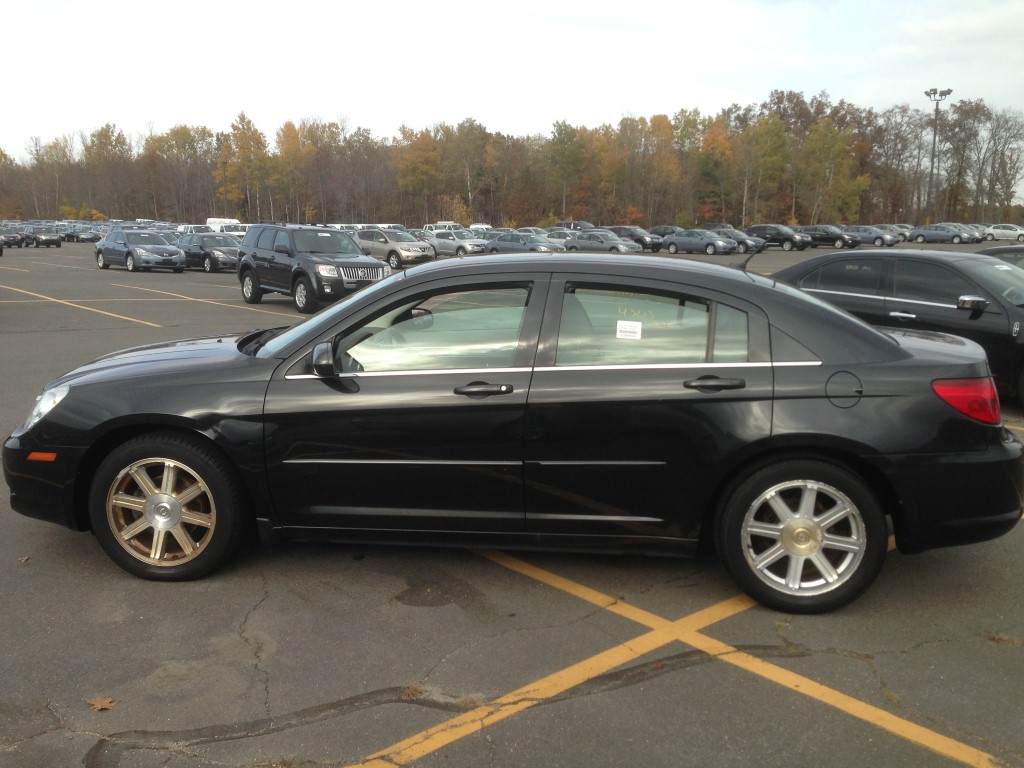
(552, 368)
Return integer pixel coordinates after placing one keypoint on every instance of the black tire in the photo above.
(129, 262)
(208, 265)
(494, 250)
(303, 296)
(837, 244)
(672, 248)
(395, 261)
(137, 492)
(919, 239)
(101, 262)
(251, 291)
(179, 270)
(762, 546)
(58, 243)
(787, 245)
(710, 249)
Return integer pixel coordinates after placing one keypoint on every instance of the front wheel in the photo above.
(208, 265)
(101, 262)
(58, 243)
(460, 251)
(710, 249)
(395, 261)
(802, 536)
(166, 507)
(129, 262)
(956, 239)
(741, 248)
(305, 299)
(837, 244)
(251, 292)
(879, 242)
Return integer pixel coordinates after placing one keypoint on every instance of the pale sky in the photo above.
(515, 67)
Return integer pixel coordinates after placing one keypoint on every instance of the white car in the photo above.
(1005, 232)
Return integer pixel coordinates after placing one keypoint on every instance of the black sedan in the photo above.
(11, 238)
(975, 296)
(830, 235)
(211, 251)
(744, 243)
(591, 401)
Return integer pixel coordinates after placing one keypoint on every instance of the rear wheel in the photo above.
(251, 292)
(787, 245)
(166, 507)
(879, 242)
(302, 294)
(919, 239)
(802, 536)
(672, 248)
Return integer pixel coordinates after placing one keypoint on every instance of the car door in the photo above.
(854, 283)
(640, 390)
(924, 296)
(421, 425)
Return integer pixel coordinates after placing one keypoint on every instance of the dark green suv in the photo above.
(312, 264)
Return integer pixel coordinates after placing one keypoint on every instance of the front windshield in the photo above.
(1000, 278)
(786, 230)
(324, 241)
(402, 237)
(537, 239)
(221, 241)
(462, 234)
(145, 238)
(325, 318)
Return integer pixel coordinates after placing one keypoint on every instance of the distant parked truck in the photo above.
(231, 226)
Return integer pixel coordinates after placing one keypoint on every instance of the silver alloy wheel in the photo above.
(301, 295)
(803, 537)
(208, 264)
(161, 512)
(837, 244)
(129, 263)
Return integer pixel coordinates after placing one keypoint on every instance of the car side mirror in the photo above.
(281, 248)
(323, 360)
(973, 304)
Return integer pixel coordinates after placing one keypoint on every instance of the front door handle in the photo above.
(714, 384)
(903, 316)
(479, 389)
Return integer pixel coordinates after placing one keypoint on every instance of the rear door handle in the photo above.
(482, 389)
(714, 384)
(903, 316)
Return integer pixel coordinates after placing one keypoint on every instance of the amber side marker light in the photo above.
(42, 456)
(976, 398)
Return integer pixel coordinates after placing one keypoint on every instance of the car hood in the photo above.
(154, 358)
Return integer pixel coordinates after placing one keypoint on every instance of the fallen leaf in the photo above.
(23, 560)
(99, 703)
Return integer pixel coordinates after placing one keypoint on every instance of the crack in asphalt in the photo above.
(257, 646)
(109, 750)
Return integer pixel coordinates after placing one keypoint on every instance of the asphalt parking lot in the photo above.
(301, 655)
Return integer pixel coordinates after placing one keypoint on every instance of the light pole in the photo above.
(935, 95)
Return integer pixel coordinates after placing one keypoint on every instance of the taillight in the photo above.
(976, 398)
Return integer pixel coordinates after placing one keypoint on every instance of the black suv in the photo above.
(311, 264)
(780, 235)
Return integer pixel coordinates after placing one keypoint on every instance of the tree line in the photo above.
(788, 159)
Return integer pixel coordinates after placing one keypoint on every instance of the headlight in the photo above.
(45, 403)
(217, 254)
(387, 269)
(326, 270)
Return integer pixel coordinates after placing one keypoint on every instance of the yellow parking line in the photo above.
(662, 632)
(203, 301)
(81, 306)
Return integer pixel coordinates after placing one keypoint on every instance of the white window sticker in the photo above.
(628, 329)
